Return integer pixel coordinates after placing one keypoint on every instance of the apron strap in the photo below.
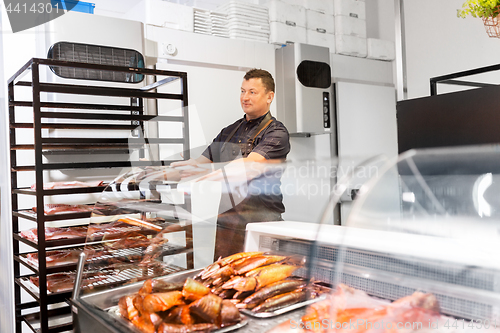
(233, 132)
(263, 124)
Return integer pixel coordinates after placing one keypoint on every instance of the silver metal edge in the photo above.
(401, 70)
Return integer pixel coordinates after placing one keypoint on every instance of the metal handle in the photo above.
(79, 273)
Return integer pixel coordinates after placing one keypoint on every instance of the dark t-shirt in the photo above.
(272, 143)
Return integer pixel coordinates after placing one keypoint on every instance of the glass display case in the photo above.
(170, 249)
(418, 252)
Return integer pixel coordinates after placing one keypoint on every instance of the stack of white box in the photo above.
(322, 6)
(246, 21)
(381, 49)
(162, 14)
(287, 21)
(220, 24)
(202, 21)
(210, 23)
(350, 27)
(320, 24)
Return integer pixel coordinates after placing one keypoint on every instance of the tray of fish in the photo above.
(261, 285)
(115, 312)
(177, 303)
(216, 298)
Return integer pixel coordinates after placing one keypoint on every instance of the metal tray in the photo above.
(107, 300)
(281, 311)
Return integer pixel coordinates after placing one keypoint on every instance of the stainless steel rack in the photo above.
(49, 312)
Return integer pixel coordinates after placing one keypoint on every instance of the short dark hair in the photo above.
(265, 76)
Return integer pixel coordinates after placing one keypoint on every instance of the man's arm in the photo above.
(255, 157)
(274, 145)
(192, 161)
(237, 166)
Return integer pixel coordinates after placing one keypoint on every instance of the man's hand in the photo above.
(191, 161)
(189, 168)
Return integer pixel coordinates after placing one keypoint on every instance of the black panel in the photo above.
(326, 110)
(314, 74)
(95, 54)
(463, 118)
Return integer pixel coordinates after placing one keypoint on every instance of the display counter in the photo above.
(419, 246)
(418, 252)
(165, 249)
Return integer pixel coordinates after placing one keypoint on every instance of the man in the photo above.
(256, 137)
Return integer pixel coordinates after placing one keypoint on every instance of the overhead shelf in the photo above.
(79, 106)
(167, 249)
(102, 279)
(78, 126)
(22, 259)
(77, 141)
(88, 165)
(29, 214)
(98, 91)
(127, 117)
(97, 143)
(60, 320)
(48, 147)
(59, 191)
(51, 243)
(34, 291)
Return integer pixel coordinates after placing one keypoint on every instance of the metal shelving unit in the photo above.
(451, 78)
(41, 315)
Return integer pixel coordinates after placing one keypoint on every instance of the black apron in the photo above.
(231, 224)
(230, 151)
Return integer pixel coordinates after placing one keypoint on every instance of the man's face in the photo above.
(255, 101)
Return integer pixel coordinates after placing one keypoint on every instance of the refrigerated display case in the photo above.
(418, 252)
(137, 246)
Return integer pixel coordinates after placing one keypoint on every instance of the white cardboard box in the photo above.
(163, 14)
(282, 33)
(323, 6)
(301, 3)
(235, 5)
(345, 25)
(351, 8)
(321, 39)
(280, 11)
(320, 21)
(351, 45)
(380, 49)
